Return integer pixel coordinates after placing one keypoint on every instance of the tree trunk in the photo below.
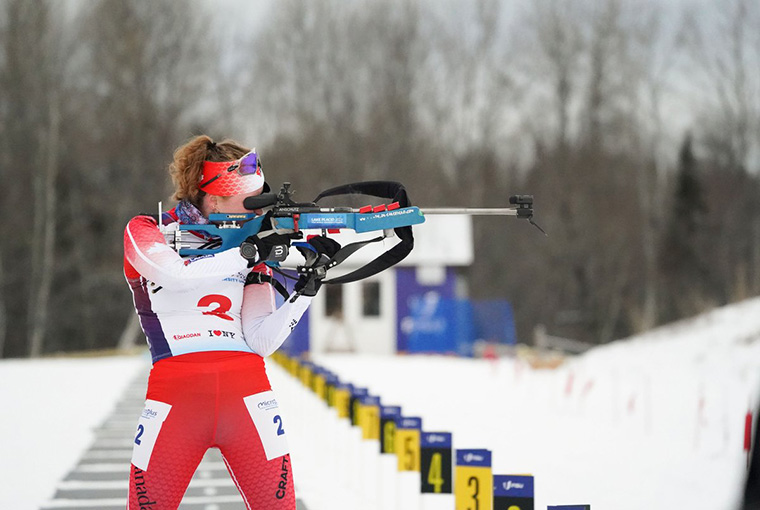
(86, 305)
(648, 245)
(41, 299)
(36, 248)
(611, 313)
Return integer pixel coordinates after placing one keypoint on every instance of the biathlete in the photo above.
(209, 322)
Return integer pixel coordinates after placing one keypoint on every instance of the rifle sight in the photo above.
(260, 201)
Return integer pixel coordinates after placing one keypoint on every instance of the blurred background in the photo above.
(635, 124)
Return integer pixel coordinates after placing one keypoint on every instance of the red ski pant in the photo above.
(196, 402)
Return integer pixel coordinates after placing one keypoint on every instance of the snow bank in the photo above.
(654, 421)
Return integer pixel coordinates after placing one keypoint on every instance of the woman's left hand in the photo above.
(272, 247)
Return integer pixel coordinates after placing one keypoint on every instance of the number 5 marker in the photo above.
(408, 443)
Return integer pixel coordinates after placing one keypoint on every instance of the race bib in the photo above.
(148, 427)
(265, 413)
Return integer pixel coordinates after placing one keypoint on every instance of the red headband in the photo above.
(228, 178)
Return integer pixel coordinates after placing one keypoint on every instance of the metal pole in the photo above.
(474, 211)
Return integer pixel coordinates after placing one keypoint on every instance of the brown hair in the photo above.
(187, 168)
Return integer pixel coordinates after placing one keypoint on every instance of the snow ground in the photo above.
(50, 408)
(655, 421)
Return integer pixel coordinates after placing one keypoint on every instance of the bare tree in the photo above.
(4, 164)
(138, 79)
(572, 101)
(555, 29)
(341, 84)
(727, 54)
(30, 97)
(47, 209)
(723, 54)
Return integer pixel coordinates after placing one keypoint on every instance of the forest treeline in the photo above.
(636, 128)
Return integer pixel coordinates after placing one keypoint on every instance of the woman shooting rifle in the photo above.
(209, 322)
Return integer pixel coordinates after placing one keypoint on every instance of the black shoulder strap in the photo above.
(259, 278)
(382, 189)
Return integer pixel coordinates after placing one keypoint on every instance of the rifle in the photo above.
(285, 216)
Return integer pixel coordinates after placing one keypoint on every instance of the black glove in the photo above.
(271, 247)
(315, 269)
(325, 246)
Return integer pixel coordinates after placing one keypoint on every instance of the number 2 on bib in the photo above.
(224, 304)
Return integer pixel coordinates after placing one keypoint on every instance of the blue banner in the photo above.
(494, 321)
(432, 319)
(420, 324)
(440, 325)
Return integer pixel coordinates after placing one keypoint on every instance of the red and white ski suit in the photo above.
(208, 333)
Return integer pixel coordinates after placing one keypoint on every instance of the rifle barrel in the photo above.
(473, 211)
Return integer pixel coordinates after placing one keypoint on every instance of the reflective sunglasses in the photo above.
(249, 164)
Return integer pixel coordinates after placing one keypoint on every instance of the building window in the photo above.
(333, 300)
(371, 299)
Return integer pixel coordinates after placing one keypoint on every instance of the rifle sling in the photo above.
(259, 278)
(382, 189)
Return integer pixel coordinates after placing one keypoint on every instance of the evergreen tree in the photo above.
(681, 261)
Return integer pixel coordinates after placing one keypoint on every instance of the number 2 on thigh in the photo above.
(278, 420)
(140, 431)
